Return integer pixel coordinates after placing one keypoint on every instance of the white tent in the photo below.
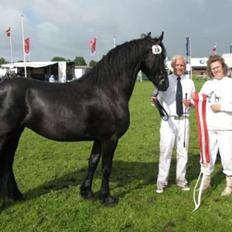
(29, 64)
(228, 59)
(62, 67)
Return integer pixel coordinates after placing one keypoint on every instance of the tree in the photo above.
(2, 61)
(92, 63)
(79, 61)
(58, 58)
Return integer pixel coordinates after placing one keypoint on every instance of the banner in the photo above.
(188, 47)
(214, 49)
(27, 45)
(92, 45)
(8, 32)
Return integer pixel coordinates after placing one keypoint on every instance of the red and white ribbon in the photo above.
(200, 101)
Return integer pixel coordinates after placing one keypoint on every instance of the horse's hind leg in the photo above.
(8, 187)
(86, 186)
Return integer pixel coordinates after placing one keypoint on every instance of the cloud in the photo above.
(64, 28)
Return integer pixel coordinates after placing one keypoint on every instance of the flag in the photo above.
(214, 49)
(187, 46)
(8, 32)
(27, 45)
(92, 45)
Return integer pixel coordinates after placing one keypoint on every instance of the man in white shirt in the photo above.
(176, 128)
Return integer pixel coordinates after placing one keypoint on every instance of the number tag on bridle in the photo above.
(156, 49)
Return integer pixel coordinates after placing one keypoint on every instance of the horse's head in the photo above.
(154, 62)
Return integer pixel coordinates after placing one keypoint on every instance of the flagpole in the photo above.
(24, 55)
(190, 55)
(11, 52)
(114, 42)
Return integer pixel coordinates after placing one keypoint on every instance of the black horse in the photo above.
(93, 108)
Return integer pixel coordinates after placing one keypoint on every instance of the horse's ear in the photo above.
(143, 36)
(148, 35)
(161, 37)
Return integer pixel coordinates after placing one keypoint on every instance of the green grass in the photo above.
(49, 174)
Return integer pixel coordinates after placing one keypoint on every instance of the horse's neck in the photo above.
(126, 80)
(132, 79)
(117, 75)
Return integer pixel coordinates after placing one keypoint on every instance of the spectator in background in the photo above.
(51, 78)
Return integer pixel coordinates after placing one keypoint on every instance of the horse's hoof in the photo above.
(6, 201)
(86, 194)
(18, 196)
(109, 200)
(11, 198)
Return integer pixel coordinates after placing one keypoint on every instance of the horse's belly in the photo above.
(76, 127)
(55, 130)
(69, 131)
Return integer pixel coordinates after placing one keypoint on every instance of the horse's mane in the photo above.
(115, 60)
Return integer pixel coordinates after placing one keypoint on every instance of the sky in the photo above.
(65, 27)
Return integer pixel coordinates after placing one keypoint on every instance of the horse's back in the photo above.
(70, 111)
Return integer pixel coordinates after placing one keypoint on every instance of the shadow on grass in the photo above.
(123, 175)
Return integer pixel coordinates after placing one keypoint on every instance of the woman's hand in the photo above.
(187, 102)
(216, 108)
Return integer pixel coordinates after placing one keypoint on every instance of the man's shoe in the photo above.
(160, 189)
(184, 187)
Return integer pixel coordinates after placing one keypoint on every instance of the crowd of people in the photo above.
(174, 132)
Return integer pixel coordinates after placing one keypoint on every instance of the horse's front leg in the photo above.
(86, 186)
(108, 149)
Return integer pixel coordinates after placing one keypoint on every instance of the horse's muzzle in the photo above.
(163, 83)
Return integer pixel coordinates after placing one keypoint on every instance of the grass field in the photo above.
(50, 173)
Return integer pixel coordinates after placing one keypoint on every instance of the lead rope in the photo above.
(163, 113)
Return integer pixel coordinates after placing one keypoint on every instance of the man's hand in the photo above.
(153, 99)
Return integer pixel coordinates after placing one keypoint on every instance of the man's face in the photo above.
(179, 67)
